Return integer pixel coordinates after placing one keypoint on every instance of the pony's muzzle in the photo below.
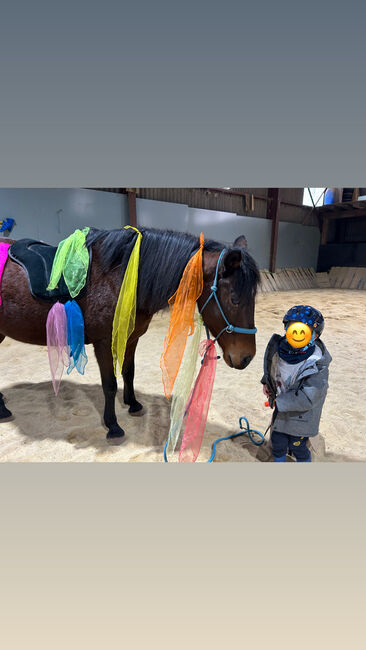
(243, 363)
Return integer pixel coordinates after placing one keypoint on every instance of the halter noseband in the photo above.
(228, 328)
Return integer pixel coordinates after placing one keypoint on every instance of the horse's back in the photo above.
(36, 258)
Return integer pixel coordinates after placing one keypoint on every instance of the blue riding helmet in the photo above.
(305, 314)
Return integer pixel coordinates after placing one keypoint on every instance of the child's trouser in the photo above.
(297, 445)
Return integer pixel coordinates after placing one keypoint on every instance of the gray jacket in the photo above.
(299, 408)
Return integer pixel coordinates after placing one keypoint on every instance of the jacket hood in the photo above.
(318, 360)
(325, 358)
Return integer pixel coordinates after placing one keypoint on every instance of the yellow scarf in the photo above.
(125, 312)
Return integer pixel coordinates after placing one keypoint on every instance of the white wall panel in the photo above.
(51, 215)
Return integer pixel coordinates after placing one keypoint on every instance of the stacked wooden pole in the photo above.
(300, 278)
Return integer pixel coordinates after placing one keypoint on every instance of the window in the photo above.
(315, 193)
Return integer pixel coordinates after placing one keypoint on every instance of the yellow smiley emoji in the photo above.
(298, 334)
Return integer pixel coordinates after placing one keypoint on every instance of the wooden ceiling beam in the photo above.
(344, 214)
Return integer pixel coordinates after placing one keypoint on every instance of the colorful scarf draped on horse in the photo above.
(72, 261)
(4, 248)
(125, 312)
(189, 407)
(183, 386)
(198, 404)
(65, 340)
(58, 351)
(65, 323)
(181, 325)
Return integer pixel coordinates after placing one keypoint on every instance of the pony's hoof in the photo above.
(136, 410)
(115, 435)
(5, 414)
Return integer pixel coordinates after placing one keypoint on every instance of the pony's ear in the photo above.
(232, 260)
(241, 242)
(209, 265)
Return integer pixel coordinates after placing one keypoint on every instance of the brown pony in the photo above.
(163, 257)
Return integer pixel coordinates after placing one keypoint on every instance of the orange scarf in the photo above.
(181, 325)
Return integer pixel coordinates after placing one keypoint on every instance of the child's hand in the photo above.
(266, 390)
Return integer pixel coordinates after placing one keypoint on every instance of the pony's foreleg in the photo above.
(105, 361)
(4, 412)
(128, 373)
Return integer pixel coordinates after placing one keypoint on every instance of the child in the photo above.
(296, 382)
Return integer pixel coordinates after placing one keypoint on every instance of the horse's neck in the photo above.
(160, 275)
(161, 266)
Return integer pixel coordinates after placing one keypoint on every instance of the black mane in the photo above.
(163, 257)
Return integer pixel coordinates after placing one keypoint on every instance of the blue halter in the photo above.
(228, 328)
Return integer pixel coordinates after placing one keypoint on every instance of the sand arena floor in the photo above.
(69, 428)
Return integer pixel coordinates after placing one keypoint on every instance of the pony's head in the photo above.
(237, 281)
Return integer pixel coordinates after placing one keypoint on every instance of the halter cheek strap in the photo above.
(228, 327)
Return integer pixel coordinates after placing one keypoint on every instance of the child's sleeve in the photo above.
(267, 361)
(311, 392)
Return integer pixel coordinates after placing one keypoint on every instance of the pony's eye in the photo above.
(234, 298)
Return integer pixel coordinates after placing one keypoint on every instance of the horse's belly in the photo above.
(30, 328)
(22, 317)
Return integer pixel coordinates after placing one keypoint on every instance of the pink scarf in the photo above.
(4, 248)
(198, 405)
(58, 351)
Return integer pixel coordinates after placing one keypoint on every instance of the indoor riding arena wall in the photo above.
(50, 215)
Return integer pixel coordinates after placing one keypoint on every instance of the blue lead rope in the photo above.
(245, 431)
